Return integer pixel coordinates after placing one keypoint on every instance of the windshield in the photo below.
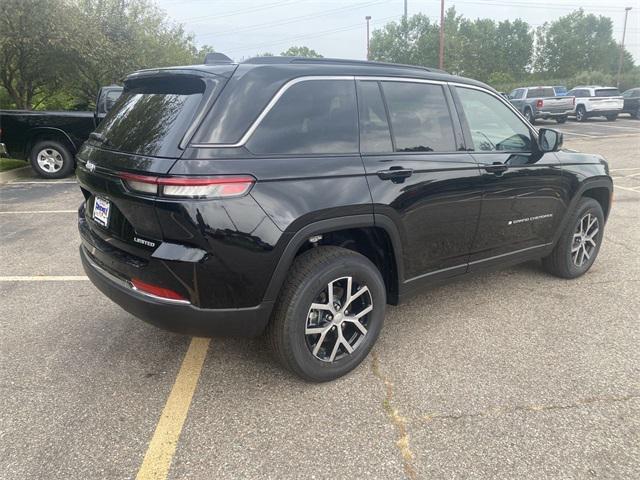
(607, 92)
(541, 92)
(151, 116)
(560, 91)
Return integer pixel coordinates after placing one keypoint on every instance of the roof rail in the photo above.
(214, 58)
(338, 61)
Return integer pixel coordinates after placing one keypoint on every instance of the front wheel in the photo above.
(612, 118)
(51, 159)
(636, 115)
(579, 243)
(528, 114)
(581, 114)
(329, 313)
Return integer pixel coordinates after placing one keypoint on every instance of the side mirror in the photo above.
(549, 140)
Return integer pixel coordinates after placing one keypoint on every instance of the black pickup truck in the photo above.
(50, 140)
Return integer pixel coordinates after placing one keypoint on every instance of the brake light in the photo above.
(156, 290)
(189, 187)
(539, 103)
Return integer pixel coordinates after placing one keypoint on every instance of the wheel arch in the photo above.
(376, 240)
(600, 189)
(49, 133)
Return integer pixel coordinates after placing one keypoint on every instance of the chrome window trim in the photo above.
(276, 97)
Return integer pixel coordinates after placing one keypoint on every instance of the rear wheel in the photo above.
(579, 243)
(612, 117)
(329, 313)
(51, 159)
(581, 113)
(561, 119)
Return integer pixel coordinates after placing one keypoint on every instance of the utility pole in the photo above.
(441, 63)
(405, 10)
(624, 32)
(367, 18)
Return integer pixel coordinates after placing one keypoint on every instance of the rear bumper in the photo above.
(603, 112)
(552, 114)
(3, 150)
(180, 317)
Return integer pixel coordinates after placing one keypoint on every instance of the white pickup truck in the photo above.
(596, 101)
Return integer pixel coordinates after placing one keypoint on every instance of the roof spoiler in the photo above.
(215, 58)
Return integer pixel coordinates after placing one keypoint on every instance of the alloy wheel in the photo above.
(584, 243)
(337, 321)
(50, 160)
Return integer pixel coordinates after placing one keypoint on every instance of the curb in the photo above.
(21, 172)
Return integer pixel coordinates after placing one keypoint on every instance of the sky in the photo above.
(337, 28)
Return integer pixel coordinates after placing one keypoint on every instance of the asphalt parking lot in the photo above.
(510, 374)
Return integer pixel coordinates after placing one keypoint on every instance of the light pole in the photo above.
(624, 31)
(441, 62)
(367, 18)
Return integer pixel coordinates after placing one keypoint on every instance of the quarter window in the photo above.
(311, 117)
(493, 126)
(420, 118)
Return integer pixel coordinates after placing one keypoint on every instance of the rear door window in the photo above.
(311, 117)
(419, 116)
(152, 115)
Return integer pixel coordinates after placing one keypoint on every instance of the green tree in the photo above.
(34, 49)
(577, 42)
(301, 52)
(413, 41)
(117, 37)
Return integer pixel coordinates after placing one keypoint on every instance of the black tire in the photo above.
(307, 281)
(612, 117)
(528, 114)
(561, 119)
(637, 114)
(59, 152)
(581, 113)
(561, 261)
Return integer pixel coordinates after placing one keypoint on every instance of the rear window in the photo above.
(607, 92)
(541, 92)
(151, 116)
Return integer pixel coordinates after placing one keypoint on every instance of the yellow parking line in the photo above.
(162, 447)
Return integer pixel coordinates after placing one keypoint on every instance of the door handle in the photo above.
(395, 174)
(497, 168)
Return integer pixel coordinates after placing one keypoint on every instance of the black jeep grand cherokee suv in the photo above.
(301, 196)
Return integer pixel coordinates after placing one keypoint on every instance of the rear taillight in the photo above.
(189, 187)
(155, 290)
(539, 103)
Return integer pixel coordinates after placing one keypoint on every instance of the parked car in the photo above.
(541, 102)
(302, 196)
(49, 140)
(594, 101)
(632, 102)
(560, 91)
